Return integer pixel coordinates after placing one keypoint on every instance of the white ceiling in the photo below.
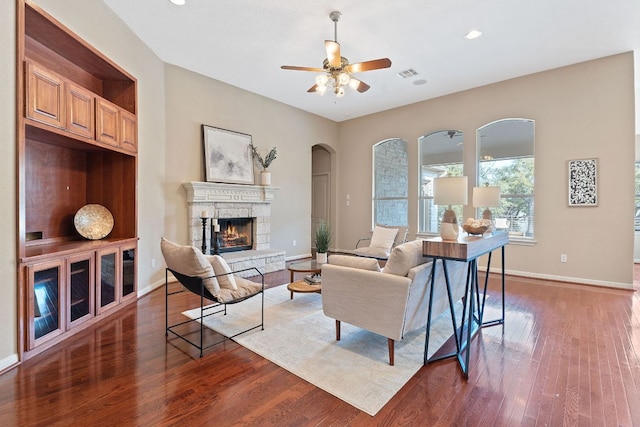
(244, 43)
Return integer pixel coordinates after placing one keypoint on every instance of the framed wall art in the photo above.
(227, 156)
(583, 182)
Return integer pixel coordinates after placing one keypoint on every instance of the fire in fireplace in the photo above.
(236, 234)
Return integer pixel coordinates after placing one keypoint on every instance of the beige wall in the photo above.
(193, 100)
(581, 111)
(8, 286)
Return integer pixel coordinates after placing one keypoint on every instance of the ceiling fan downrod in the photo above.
(335, 17)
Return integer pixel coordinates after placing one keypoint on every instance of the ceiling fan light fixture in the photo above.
(339, 92)
(343, 78)
(321, 89)
(322, 79)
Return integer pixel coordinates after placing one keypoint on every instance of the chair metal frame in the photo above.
(196, 286)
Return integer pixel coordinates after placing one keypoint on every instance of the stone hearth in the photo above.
(235, 201)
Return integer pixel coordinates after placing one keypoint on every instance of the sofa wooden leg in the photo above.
(337, 330)
(391, 351)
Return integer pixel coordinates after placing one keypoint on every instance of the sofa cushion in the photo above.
(355, 262)
(383, 237)
(223, 273)
(189, 261)
(404, 257)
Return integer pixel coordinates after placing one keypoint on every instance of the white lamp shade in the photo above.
(486, 196)
(450, 190)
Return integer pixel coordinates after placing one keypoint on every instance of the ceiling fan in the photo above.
(336, 70)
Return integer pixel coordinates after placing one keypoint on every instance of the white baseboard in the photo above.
(295, 257)
(151, 287)
(9, 362)
(576, 280)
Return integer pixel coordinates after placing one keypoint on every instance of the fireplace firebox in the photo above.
(236, 234)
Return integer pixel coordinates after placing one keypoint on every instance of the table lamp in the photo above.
(486, 197)
(450, 190)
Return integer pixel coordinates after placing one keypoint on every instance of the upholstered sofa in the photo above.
(393, 301)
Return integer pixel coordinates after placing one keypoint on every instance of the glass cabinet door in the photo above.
(108, 279)
(81, 289)
(128, 278)
(44, 304)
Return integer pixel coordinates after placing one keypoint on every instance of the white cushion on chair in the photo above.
(383, 237)
(222, 270)
(189, 261)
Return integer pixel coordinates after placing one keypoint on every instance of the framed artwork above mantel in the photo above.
(227, 156)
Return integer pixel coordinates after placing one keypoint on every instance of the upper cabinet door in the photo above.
(107, 122)
(44, 96)
(128, 131)
(80, 110)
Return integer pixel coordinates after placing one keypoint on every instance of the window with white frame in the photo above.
(506, 159)
(441, 154)
(390, 182)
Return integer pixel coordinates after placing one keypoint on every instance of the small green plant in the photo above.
(323, 237)
(270, 157)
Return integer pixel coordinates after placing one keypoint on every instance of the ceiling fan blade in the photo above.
(312, 89)
(375, 64)
(295, 68)
(333, 53)
(358, 85)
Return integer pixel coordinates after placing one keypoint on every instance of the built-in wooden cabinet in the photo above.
(76, 145)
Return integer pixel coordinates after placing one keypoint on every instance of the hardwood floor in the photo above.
(568, 355)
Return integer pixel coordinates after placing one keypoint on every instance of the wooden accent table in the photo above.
(310, 266)
(303, 287)
(466, 249)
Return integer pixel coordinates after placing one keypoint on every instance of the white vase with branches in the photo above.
(265, 175)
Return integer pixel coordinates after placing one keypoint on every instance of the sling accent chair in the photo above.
(381, 242)
(212, 280)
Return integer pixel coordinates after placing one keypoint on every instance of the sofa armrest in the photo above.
(368, 299)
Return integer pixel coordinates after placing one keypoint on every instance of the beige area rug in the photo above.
(301, 339)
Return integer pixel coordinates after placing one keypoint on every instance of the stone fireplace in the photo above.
(231, 202)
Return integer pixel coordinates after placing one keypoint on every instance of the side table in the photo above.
(310, 266)
(466, 249)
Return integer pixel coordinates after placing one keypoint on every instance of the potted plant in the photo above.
(265, 175)
(323, 238)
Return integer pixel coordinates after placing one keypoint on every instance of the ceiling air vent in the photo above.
(408, 73)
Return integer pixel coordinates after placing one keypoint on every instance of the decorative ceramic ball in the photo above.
(93, 221)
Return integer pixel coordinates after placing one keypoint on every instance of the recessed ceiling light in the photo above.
(178, 2)
(473, 34)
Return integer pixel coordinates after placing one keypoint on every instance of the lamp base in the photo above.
(449, 231)
(449, 228)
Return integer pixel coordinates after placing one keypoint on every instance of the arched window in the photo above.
(390, 182)
(440, 155)
(506, 159)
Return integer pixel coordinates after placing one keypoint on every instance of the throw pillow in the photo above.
(383, 237)
(223, 273)
(190, 262)
(404, 257)
(355, 262)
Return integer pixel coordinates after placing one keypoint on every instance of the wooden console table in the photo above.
(466, 249)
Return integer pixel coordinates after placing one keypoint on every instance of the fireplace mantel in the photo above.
(219, 192)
